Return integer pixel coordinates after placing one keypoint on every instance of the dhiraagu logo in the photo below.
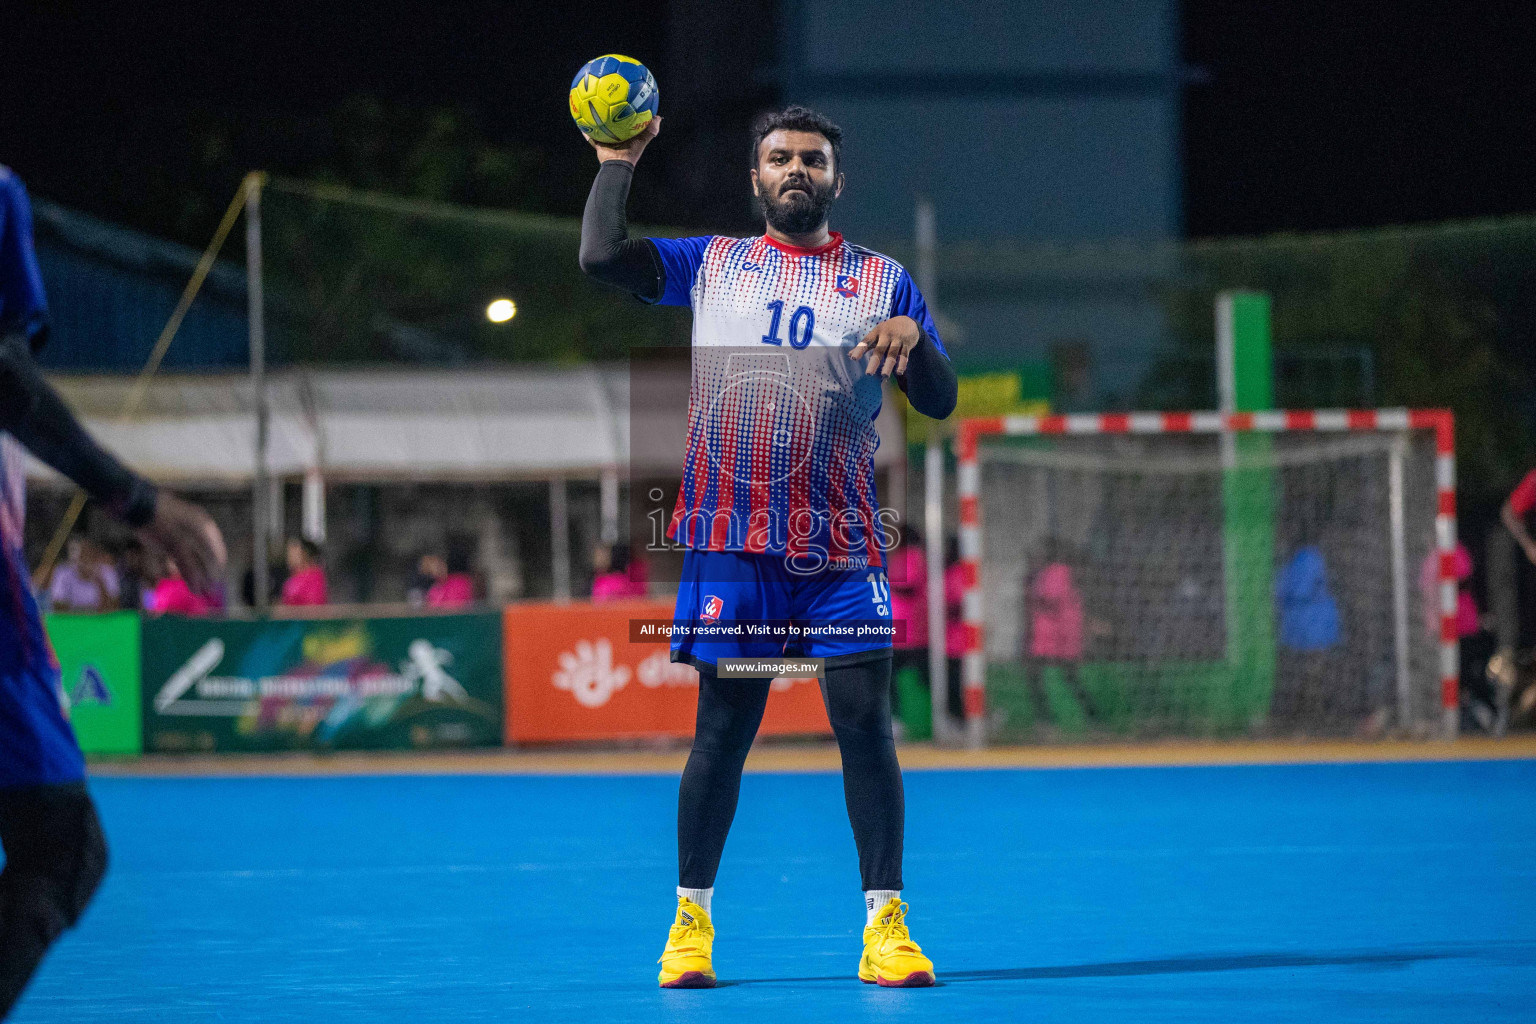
(89, 688)
(99, 671)
(589, 674)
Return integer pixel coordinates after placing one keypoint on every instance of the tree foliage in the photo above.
(1443, 312)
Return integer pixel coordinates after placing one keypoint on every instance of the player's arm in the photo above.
(23, 304)
(32, 412)
(901, 346)
(929, 379)
(608, 254)
(907, 344)
(35, 414)
(1514, 517)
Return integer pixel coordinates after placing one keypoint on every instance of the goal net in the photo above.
(1270, 574)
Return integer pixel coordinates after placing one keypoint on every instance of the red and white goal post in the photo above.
(1240, 573)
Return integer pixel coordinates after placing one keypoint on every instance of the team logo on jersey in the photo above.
(847, 286)
(713, 606)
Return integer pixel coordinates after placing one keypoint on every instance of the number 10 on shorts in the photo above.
(882, 593)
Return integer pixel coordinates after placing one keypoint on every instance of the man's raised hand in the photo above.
(628, 151)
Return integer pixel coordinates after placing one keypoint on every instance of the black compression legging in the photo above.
(858, 700)
(54, 859)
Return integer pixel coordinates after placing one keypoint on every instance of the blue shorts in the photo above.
(736, 605)
(37, 746)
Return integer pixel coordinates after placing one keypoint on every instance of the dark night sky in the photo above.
(1350, 113)
(1311, 115)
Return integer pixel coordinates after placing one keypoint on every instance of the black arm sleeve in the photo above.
(16, 399)
(36, 416)
(608, 254)
(930, 381)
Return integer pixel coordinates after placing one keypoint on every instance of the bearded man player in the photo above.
(794, 331)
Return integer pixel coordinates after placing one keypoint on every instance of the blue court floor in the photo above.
(1303, 894)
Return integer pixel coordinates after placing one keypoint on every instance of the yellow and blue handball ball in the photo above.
(613, 98)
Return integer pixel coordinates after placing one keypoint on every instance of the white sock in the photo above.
(700, 896)
(875, 901)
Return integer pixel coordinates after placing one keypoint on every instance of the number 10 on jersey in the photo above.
(801, 324)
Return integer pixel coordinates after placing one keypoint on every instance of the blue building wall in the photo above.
(112, 290)
(1026, 118)
(1024, 122)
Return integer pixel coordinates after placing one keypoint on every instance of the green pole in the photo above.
(1246, 379)
(1252, 361)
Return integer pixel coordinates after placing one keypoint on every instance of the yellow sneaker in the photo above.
(891, 958)
(685, 963)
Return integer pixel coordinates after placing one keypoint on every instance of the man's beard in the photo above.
(800, 212)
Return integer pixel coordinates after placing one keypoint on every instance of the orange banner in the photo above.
(571, 673)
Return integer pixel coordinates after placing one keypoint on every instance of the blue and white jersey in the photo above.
(23, 310)
(37, 746)
(23, 305)
(781, 434)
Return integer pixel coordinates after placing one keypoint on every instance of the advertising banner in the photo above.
(99, 664)
(323, 684)
(573, 672)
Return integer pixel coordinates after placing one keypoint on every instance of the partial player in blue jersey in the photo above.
(793, 333)
(54, 851)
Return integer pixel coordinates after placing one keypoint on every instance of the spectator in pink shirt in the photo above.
(1467, 619)
(172, 596)
(1480, 700)
(907, 573)
(617, 576)
(305, 585)
(453, 587)
(1054, 607)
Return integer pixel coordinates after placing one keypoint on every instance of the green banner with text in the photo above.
(326, 684)
(99, 665)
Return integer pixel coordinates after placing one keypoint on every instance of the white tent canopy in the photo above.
(378, 425)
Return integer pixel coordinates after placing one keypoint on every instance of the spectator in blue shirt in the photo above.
(1309, 615)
